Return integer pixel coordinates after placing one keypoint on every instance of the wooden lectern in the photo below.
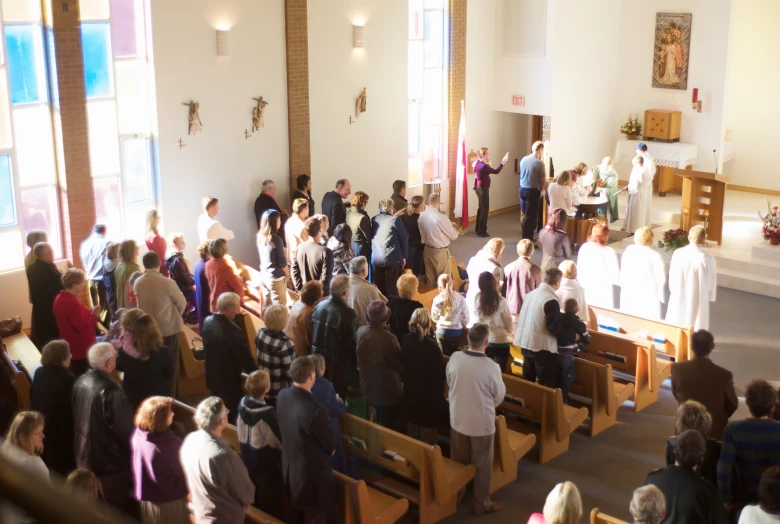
(703, 195)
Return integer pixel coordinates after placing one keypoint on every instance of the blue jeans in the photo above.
(530, 202)
(565, 375)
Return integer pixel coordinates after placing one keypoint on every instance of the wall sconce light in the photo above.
(359, 36)
(223, 43)
(695, 102)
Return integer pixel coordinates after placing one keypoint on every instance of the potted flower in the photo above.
(673, 239)
(771, 227)
(632, 128)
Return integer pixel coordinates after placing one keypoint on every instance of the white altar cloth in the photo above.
(677, 155)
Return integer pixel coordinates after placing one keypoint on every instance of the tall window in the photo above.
(116, 67)
(427, 90)
(28, 170)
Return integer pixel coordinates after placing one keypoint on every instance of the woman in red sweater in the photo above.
(154, 240)
(220, 274)
(75, 321)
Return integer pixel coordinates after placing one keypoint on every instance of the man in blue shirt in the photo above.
(532, 181)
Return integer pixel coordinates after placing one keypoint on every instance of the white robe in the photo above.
(597, 272)
(477, 265)
(570, 288)
(650, 166)
(693, 285)
(640, 191)
(642, 280)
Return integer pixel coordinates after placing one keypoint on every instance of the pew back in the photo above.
(597, 517)
(192, 377)
(19, 381)
(184, 416)
(361, 504)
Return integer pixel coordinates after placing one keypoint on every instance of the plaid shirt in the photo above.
(776, 413)
(275, 354)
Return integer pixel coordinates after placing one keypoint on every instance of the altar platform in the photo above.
(744, 261)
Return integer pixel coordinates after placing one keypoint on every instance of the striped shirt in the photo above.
(275, 354)
(749, 447)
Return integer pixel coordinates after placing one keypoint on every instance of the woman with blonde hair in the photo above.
(451, 313)
(571, 288)
(75, 322)
(413, 210)
(483, 170)
(487, 259)
(403, 305)
(693, 415)
(556, 246)
(597, 268)
(179, 271)
(128, 264)
(83, 483)
(154, 240)
(424, 376)
(360, 224)
(145, 362)
(159, 482)
(22, 447)
(563, 506)
(642, 277)
(560, 192)
(220, 274)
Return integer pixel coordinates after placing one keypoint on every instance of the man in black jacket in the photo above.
(227, 353)
(689, 498)
(267, 200)
(103, 424)
(333, 204)
(45, 282)
(334, 328)
(309, 443)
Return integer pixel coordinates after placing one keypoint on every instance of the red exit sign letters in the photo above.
(518, 100)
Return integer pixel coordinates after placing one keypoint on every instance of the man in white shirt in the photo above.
(692, 283)
(293, 228)
(209, 228)
(475, 390)
(93, 253)
(436, 232)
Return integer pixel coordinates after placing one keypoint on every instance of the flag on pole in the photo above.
(461, 208)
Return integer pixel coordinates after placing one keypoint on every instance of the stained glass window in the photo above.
(132, 87)
(98, 67)
(137, 170)
(7, 205)
(93, 9)
(415, 70)
(52, 63)
(103, 138)
(34, 151)
(108, 205)
(128, 28)
(21, 11)
(434, 45)
(6, 141)
(24, 45)
(40, 211)
(415, 19)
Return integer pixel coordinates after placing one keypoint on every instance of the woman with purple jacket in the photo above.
(159, 481)
(202, 292)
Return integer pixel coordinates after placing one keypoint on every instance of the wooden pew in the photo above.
(508, 448)
(183, 414)
(251, 324)
(255, 516)
(593, 382)
(253, 299)
(677, 343)
(633, 357)
(21, 348)
(457, 282)
(20, 382)
(531, 408)
(192, 375)
(597, 517)
(430, 481)
(360, 504)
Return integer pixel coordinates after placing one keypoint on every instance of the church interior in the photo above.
(112, 108)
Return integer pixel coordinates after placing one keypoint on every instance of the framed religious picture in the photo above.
(671, 50)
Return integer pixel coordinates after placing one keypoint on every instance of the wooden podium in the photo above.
(703, 195)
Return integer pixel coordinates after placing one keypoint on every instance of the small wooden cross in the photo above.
(351, 120)
(246, 134)
(181, 144)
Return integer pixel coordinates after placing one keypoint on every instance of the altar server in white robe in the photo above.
(692, 282)
(642, 277)
(598, 269)
(640, 192)
(649, 164)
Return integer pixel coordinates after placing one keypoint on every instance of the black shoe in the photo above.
(483, 235)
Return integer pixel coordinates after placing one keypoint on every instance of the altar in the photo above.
(668, 157)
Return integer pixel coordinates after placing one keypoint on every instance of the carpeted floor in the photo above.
(608, 467)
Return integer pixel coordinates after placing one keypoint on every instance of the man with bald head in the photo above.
(45, 282)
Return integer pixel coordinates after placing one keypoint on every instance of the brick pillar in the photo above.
(77, 197)
(297, 40)
(456, 89)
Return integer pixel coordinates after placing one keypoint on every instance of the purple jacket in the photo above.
(157, 473)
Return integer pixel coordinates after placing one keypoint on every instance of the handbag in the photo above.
(10, 326)
(198, 353)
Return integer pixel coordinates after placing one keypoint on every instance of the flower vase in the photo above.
(774, 240)
(631, 137)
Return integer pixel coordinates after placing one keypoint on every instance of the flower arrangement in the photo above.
(771, 227)
(673, 239)
(632, 127)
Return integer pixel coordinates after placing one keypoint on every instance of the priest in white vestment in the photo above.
(598, 269)
(640, 192)
(642, 278)
(692, 282)
(649, 164)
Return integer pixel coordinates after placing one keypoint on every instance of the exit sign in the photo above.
(518, 100)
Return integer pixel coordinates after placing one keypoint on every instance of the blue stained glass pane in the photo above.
(98, 70)
(24, 45)
(52, 63)
(7, 206)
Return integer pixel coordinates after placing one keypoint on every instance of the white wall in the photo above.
(752, 104)
(485, 127)
(707, 71)
(372, 151)
(16, 294)
(219, 161)
(585, 76)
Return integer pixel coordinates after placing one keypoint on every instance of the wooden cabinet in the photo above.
(662, 125)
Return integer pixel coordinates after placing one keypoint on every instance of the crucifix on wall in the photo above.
(258, 114)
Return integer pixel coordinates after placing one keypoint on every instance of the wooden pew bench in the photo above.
(19, 381)
(21, 348)
(531, 408)
(192, 375)
(425, 478)
(594, 383)
(457, 282)
(508, 448)
(632, 357)
(597, 517)
(671, 340)
(255, 516)
(183, 418)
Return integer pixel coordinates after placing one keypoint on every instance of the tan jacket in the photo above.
(361, 294)
(299, 328)
(159, 296)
